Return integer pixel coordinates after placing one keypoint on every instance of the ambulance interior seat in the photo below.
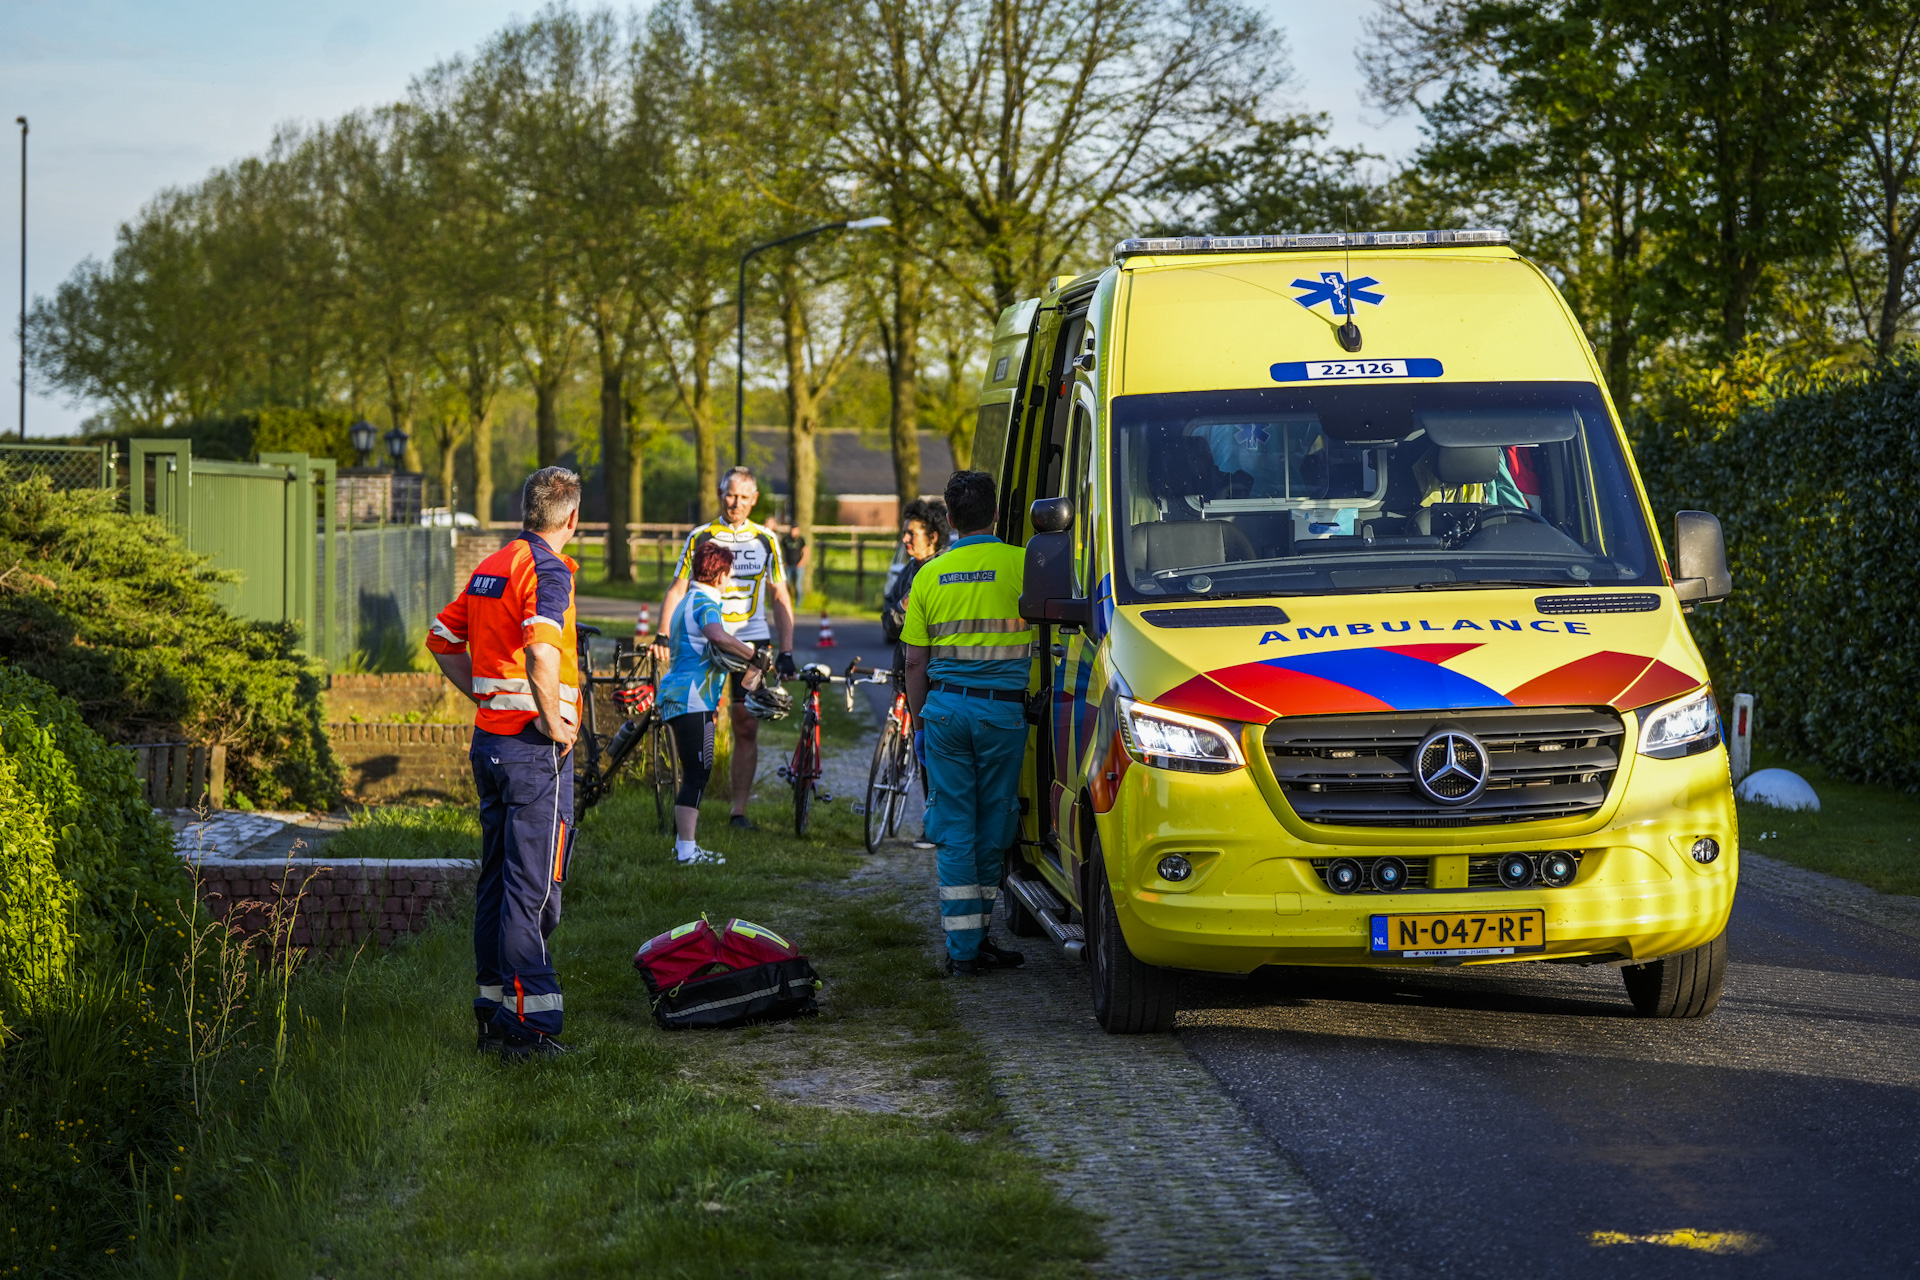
(1455, 466)
(1182, 467)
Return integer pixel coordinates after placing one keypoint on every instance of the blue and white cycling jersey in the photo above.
(694, 682)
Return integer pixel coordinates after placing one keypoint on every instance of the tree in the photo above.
(1881, 176)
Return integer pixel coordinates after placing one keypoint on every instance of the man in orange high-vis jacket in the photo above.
(507, 642)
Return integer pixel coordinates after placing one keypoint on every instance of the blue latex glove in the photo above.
(920, 746)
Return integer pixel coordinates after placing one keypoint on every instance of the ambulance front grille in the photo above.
(1357, 770)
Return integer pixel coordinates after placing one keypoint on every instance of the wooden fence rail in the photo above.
(181, 775)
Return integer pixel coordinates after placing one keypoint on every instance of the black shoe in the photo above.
(517, 1049)
(741, 822)
(489, 1037)
(963, 968)
(996, 957)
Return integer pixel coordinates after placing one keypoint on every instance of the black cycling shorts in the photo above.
(693, 740)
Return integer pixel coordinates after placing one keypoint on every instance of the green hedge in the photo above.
(116, 614)
(1817, 484)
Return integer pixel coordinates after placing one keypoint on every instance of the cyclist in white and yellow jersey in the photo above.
(758, 589)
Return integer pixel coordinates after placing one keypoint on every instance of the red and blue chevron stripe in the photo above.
(1414, 677)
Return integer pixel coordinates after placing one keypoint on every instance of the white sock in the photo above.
(683, 848)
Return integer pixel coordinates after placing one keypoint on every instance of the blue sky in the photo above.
(127, 97)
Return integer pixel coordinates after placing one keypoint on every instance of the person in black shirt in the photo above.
(924, 533)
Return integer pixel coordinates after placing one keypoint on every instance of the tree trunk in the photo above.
(1890, 300)
(449, 442)
(903, 420)
(636, 474)
(614, 471)
(480, 430)
(546, 421)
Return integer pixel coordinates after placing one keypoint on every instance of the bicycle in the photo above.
(802, 772)
(894, 767)
(597, 757)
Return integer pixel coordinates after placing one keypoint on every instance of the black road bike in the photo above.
(633, 680)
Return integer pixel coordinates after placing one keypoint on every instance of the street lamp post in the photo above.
(740, 325)
(22, 122)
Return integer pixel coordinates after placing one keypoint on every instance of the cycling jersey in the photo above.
(522, 594)
(694, 681)
(757, 565)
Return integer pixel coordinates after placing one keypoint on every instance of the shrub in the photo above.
(36, 905)
(1816, 482)
(116, 614)
(115, 857)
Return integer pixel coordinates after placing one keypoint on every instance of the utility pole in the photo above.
(22, 122)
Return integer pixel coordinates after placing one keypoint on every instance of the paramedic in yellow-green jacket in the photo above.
(969, 661)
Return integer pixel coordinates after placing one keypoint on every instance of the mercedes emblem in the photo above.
(1451, 767)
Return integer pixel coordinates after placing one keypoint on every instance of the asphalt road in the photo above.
(1518, 1121)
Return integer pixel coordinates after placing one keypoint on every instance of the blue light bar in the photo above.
(1306, 243)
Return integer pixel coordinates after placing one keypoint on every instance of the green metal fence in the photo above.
(69, 466)
(250, 518)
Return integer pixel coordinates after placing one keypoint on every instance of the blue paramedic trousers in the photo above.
(975, 747)
(526, 816)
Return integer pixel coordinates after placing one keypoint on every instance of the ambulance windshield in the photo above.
(1340, 489)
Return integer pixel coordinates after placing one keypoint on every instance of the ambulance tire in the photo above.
(1680, 986)
(1021, 923)
(1129, 997)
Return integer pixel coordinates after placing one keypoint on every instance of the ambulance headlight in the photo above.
(1684, 727)
(1173, 740)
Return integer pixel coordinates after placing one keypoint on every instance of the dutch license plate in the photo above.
(1461, 933)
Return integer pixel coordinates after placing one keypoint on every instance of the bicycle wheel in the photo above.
(904, 769)
(663, 761)
(806, 770)
(882, 787)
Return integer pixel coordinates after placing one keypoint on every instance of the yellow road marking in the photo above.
(1686, 1238)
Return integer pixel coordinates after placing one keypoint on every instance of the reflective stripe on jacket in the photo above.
(965, 610)
(521, 594)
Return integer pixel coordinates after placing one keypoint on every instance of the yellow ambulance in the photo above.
(1359, 645)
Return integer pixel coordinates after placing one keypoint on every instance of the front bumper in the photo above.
(1255, 898)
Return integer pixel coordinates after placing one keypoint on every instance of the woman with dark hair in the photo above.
(692, 689)
(924, 533)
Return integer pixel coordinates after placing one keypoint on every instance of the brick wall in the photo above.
(336, 906)
(405, 762)
(473, 547)
(421, 695)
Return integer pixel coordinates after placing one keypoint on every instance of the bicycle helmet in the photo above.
(769, 702)
(727, 660)
(636, 699)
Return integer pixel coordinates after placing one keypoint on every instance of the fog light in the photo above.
(1706, 849)
(1389, 874)
(1558, 869)
(1516, 870)
(1175, 868)
(1343, 875)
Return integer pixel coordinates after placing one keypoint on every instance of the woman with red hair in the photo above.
(691, 691)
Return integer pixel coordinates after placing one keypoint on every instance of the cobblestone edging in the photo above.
(1133, 1128)
(337, 905)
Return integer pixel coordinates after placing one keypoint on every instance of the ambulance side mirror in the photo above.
(1700, 573)
(1046, 590)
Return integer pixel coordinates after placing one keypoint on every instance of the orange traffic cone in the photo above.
(826, 632)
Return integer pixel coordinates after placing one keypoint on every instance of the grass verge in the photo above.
(1870, 835)
(863, 1142)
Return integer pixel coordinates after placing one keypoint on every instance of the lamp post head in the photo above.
(869, 224)
(361, 435)
(396, 446)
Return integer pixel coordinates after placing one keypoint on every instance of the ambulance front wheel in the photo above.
(1129, 997)
(1683, 986)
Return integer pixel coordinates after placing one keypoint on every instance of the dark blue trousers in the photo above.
(526, 816)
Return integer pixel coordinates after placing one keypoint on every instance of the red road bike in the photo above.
(894, 768)
(802, 772)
